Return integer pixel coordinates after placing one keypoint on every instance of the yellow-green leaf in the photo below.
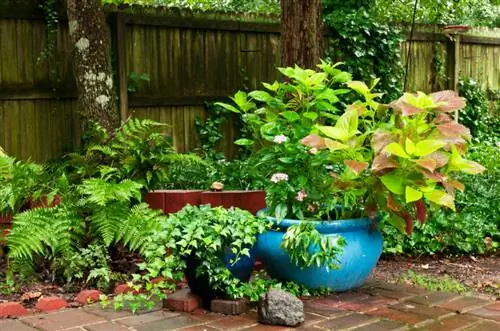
(428, 146)
(441, 198)
(412, 194)
(410, 146)
(393, 182)
(396, 149)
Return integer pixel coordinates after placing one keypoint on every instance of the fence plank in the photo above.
(190, 61)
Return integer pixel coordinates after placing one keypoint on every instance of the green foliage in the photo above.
(137, 151)
(470, 12)
(50, 9)
(94, 258)
(19, 182)
(236, 174)
(255, 6)
(477, 116)
(202, 233)
(134, 81)
(368, 47)
(298, 240)
(474, 229)
(443, 284)
(101, 190)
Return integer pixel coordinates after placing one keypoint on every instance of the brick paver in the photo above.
(62, 320)
(347, 321)
(374, 307)
(14, 325)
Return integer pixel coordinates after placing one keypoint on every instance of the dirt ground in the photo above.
(481, 275)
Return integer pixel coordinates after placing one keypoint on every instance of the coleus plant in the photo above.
(400, 163)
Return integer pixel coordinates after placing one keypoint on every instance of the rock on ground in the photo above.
(278, 307)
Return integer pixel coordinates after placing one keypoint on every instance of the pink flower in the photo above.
(301, 195)
(277, 177)
(280, 139)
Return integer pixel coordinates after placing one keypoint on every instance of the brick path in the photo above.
(376, 306)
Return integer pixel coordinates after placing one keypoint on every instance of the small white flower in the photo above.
(313, 150)
(277, 177)
(301, 195)
(280, 139)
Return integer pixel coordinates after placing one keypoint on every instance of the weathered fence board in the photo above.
(190, 60)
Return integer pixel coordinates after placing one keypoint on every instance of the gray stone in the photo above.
(278, 307)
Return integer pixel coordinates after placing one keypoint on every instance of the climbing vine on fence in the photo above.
(368, 48)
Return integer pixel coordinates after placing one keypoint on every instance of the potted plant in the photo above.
(335, 169)
(212, 246)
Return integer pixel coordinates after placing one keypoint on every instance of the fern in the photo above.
(140, 225)
(51, 232)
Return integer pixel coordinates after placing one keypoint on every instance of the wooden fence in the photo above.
(190, 59)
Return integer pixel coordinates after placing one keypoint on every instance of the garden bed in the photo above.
(480, 275)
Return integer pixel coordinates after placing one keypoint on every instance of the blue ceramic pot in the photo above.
(361, 253)
(200, 284)
(243, 268)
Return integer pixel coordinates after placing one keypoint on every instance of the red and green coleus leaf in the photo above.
(427, 163)
(314, 141)
(447, 101)
(382, 162)
(381, 139)
(421, 211)
(356, 166)
(454, 129)
(441, 198)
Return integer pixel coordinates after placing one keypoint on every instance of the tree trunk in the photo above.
(301, 33)
(92, 62)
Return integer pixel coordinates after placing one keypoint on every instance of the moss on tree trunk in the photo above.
(92, 62)
(301, 32)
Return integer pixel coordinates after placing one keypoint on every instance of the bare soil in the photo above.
(480, 275)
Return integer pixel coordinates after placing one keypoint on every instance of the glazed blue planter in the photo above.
(361, 253)
(243, 268)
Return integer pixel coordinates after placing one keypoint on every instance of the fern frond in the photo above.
(100, 192)
(139, 226)
(106, 222)
(44, 232)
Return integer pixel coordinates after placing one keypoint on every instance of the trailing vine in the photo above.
(50, 9)
(439, 78)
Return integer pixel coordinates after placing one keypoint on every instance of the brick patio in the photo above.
(376, 306)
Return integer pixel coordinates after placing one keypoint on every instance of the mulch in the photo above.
(480, 275)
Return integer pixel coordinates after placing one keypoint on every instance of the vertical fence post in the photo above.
(456, 66)
(122, 65)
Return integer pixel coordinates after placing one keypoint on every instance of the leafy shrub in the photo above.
(477, 116)
(369, 48)
(475, 229)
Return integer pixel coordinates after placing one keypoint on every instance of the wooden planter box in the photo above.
(253, 201)
(171, 201)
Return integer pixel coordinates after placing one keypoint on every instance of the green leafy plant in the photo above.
(477, 116)
(472, 230)
(100, 192)
(369, 47)
(20, 182)
(396, 158)
(201, 234)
